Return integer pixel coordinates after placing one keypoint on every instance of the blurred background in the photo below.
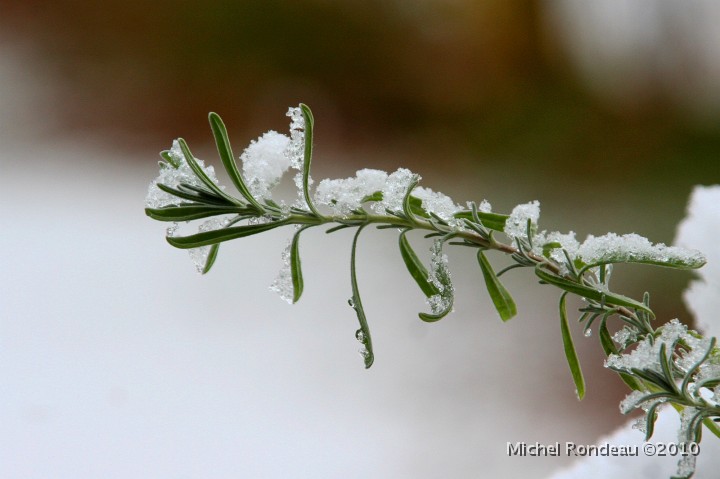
(117, 360)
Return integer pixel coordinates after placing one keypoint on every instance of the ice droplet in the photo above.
(360, 336)
(588, 333)
(364, 352)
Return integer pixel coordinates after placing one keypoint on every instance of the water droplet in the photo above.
(588, 333)
(360, 336)
(351, 303)
(170, 232)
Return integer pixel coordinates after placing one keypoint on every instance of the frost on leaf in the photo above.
(439, 276)
(567, 244)
(199, 255)
(646, 356)
(613, 248)
(516, 224)
(283, 284)
(343, 196)
(264, 161)
(394, 191)
(625, 336)
(436, 203)
(172, 176)
(295, 151)
(632, 401)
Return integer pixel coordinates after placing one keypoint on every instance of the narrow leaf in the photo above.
(187, 212)
(208, 238)
(493, 221)
(590, 293)
(212, 255)
(500, 297)
(406, 204)
(570, 353)
(295, 266)
(194, 196)
(226, 155)
(362, 334)
(415, 267)
(202, 176)
(309, 126)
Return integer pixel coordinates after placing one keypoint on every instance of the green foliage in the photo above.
(500, 297)
(666, 380)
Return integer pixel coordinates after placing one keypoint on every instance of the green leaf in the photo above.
(309, 126)
(172, 162)
(570, 353)
(590, 293)
(376, 196)
(406, 204)
(548, 247)
(226, 155)
(675, 263)
(202, 176)
(186, 212)
(605, 339)
(212, 255)
(363, 334)
(208, 238)
(415, 267)
(650, 419)
(194, 196)
(493, 221)
(500, 297)
(295, 266)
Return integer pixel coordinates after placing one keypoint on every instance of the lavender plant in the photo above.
(669, 364)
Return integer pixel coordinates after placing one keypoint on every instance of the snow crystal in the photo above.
(264, 161)
(567, 242)
(438, 303)
(625, 336)
(647, 354)
(632, 401)
(485, 206)
(394, 191)
(199, 255)
(296, 148)
(632, 247)
(697, 349)
(436, 203)
(295, 153)
(439, 276)
(516, 224)
(172, 177)
(345, 195)
(283, 284)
